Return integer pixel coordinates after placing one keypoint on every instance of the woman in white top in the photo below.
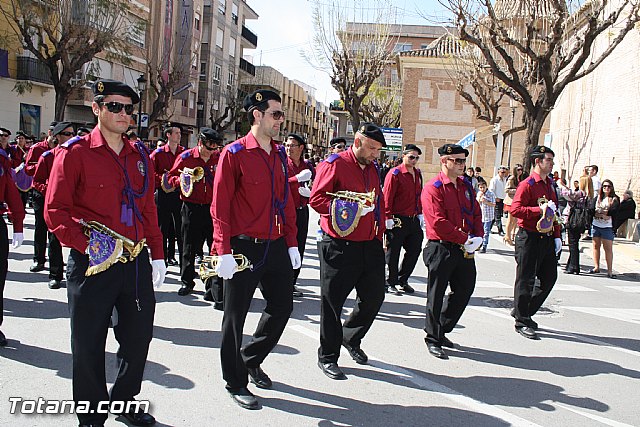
(602, 227)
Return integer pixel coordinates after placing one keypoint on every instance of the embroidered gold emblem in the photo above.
(449, 150)
(258, 97)
(100, 87)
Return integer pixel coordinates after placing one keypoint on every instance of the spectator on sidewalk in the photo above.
(576, 199)
(471, 177)
(497, 185)
(516, 177)
(602, 228)
(626, 210)
(487, 201)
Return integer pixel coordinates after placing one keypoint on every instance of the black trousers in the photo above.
(196, 228)
(447, 268)
(409, 237)
(573, 235)
(56, 263)
(170, 221)
(535, 257)
(274, 279)
(302, 222)
(345, 265)
(91, 303)
(40, 233)
(499, 211)
(4, 263)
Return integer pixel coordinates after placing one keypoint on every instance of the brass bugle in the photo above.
(132, 247)
(397, 222)
(196, 173)
(354, 196)
(210, 263)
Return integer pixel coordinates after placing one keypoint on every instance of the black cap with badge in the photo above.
(297, 137)
(372, 131)
(60, 127)
(259, 98)
(337, 140)
(540, 151)
(412, 147)
(113, 87)
(208, 134)
(448, 149)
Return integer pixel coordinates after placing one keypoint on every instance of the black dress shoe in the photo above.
(446, 342)
(259, 378)
(332, 370)
(356, 354)
(436, 351)
(532, 324)
(172, 262)
(297, 292)
(3, 340)
(140, 418)
(36, 267)
(54, 284)
(407, 289)
(218, 306)
(391, 289)
(244, 398)
(185, 290)
(527, 332)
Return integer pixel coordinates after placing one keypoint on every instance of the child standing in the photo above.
(487, 201)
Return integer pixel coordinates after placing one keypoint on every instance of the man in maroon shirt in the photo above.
(351, 253)
(168, 197)
(402, 188)
(536, 250)
(196, 218)
(11, 204)
(300, 173)
(61, 133)
(102, 177)
(453, 225)
(254, 216)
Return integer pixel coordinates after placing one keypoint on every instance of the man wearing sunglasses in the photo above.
(350, 250)
(453, 225)
(167, 198)
(5, 134)
(337, 145)
(196, 220)
(300, 173)
(402, 188)
(59, 134)
(103, 177)
(254, 216)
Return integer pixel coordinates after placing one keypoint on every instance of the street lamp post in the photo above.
(512, 105)
(142, 86)
(199, 114)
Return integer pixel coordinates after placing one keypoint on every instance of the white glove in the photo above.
(421, 219)
(304, 176)
(558, 244)
(472, 244)
(17, 240)
(294, 255)
(552, 205)
(388, 224)
(226, 267)
(366, 210)
(304, 191)
(158, 271)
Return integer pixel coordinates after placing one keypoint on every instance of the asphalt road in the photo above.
(583, 372)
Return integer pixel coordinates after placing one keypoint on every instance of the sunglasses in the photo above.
(457, 161)
(66, 133)
(277, 115)
(412, 157)
(339, 146)
(116, 107)
(5, 135)
(606, 186)
(211, 147)
(519, 170)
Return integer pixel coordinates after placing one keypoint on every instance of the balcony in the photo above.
(247, 67)
(33, 70)
(250, 37)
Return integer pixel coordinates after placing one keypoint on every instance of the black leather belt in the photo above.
(444, 242)
(251, 239)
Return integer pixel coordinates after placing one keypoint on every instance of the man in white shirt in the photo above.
(593, 173)
(497, 186)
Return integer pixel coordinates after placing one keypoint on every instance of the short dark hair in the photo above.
(478, 169)
(594, 167)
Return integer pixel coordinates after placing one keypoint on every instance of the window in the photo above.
(232, 47)
(30, 118)
(192, 100)
(424, 46)
(216, 74)
(203, 71)
(231, 79)
(234, 13)
(136, 33)
(222, 7)
(196, 24)
(219, 37)
(402, 47)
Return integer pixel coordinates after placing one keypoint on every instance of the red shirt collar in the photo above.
(535, 176)
(97, 140)
(251, 142)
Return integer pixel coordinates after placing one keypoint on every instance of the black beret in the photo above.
(113, 87)
(61, 126)
(52, 124)
(540, 151)
(22, 133)
(452, 149)
(297, 137)
(209, 135)
(337, 140)
(372, 131)
(83, 130)
(259, 97)
(5, 130)
(170, 125)
(412, 147)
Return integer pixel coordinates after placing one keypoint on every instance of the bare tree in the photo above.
(232, 98)
(354, 55)
(383, 104)
(535, 48)
(66, 34)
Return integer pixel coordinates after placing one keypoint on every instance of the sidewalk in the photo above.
(626, 257)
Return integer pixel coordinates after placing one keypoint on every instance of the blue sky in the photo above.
(284, 28)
